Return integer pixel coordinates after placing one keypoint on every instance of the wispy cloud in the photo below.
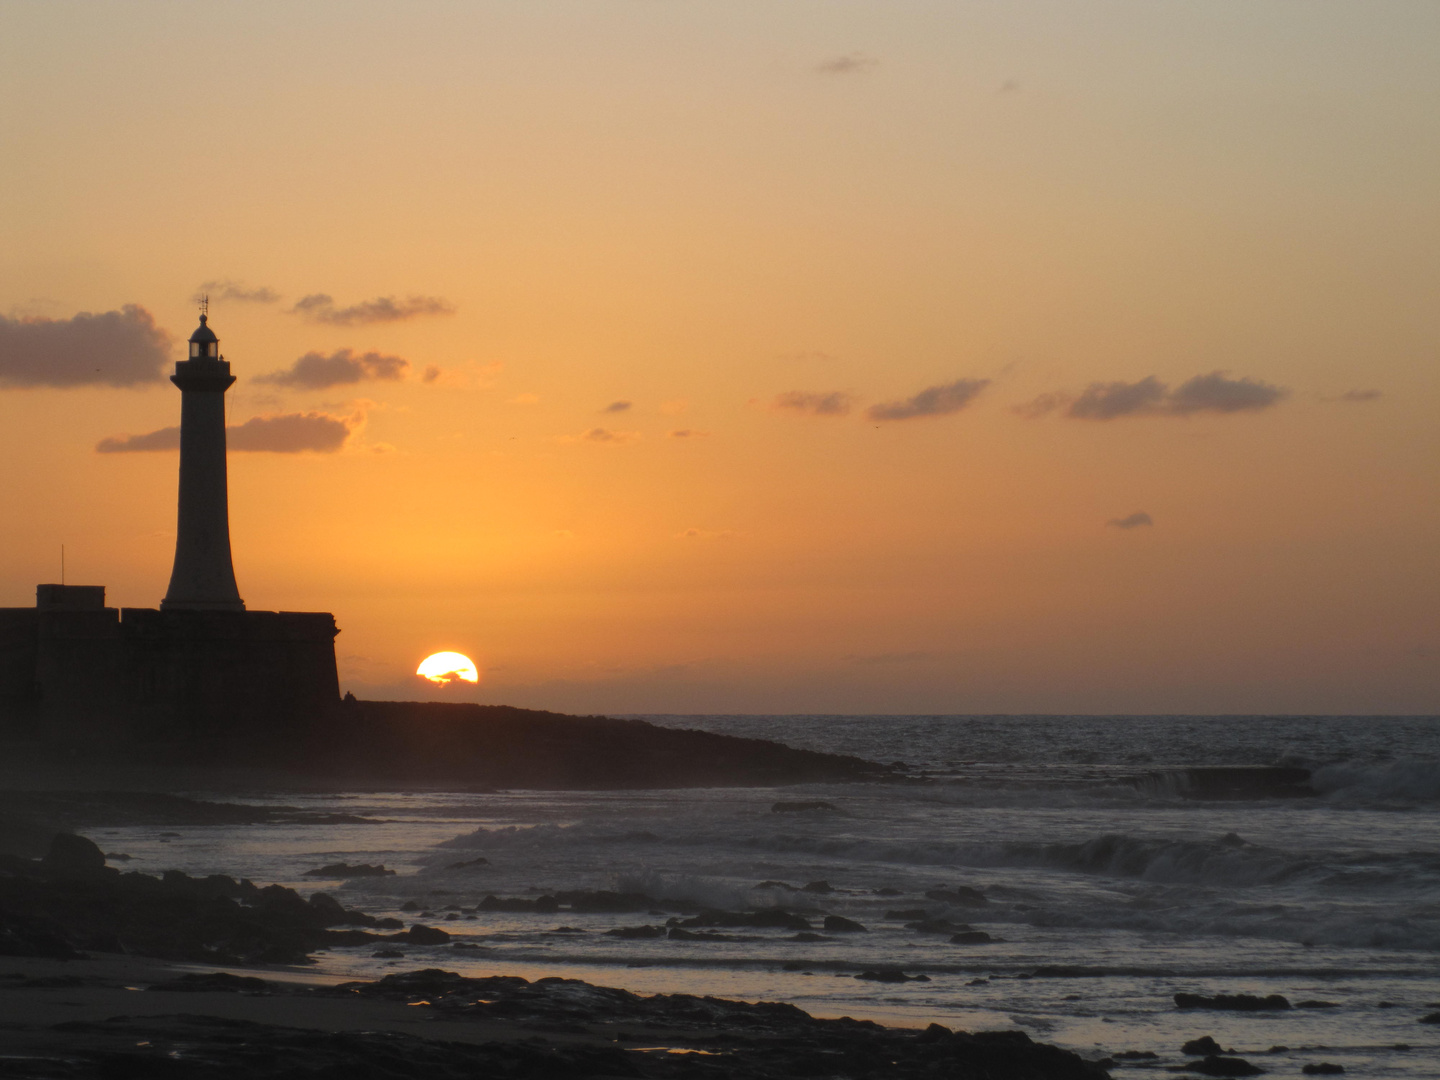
(605, 437)
(705, 534)
(1133, 521)
(315, 371)
(1042, 405)
(283, 433)
(832, 403)
(854, 63)
(113, 348)
(933, 401)
(1106, 401)
(1356, 396)
(1212, 393)
(320, 307)
(686, 433)
(1216, 393)
(617, 406)
(227, 289)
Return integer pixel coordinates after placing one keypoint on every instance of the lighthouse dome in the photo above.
(203, 342)
(203, 331)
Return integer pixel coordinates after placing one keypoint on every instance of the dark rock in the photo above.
(763, 1041)
(327, 907)
(799, 806)
(175, 917)
(838, 924)
(410, 905)
(420, 934)
(1323, 1068)
(908, 915)
(1433, 1018)
(345, 870)
(331, 913)
(566, 930)
(939, 926)
(71, 855)
(973, 937)
(482, 861)
(1136, 1055)
(1233, 1002)
(389, 954)
(891, 975)
(636, 933)
(888, 891)
(215, 982)
(821, 887)
(777, 885)
(961, 894)
(34, 937)
(1224, 1066)
(1205, 1046)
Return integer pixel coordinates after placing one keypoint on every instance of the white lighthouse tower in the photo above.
(203, 578)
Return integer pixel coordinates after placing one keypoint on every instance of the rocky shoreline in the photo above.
(67, 1015)
(435, 1024)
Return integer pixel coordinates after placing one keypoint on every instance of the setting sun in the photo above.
(445, 668)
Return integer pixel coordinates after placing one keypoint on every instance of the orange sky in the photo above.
(898, 271)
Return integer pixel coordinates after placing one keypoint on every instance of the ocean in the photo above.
(1105, 885)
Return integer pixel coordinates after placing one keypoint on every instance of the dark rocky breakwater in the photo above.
(454, 745)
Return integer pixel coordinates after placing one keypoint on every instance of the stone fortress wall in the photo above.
(72, 669)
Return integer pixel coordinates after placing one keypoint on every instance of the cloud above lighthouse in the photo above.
(315, 371)
(112, 348)
(281, 433)
(320, 307)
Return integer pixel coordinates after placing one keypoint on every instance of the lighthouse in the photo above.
(217, 682)
(203, 578)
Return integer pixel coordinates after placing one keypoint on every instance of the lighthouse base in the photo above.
(72, 669)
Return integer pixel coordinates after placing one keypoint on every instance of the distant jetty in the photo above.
(502, 746)
(437, 744)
